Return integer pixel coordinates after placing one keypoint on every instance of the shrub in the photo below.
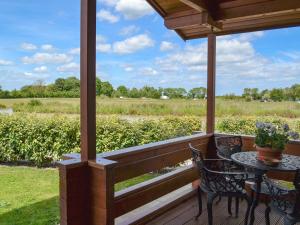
(234, 125)
(44, 140)
(35, 102)
(2, 106)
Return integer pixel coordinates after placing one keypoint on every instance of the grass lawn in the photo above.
(29, 196)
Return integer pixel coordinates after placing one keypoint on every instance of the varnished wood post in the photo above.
(211, 83)
(88, 79)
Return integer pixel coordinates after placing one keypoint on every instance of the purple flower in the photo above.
(286, 127)
(293, 135)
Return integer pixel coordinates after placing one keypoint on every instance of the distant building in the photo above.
(164, 97)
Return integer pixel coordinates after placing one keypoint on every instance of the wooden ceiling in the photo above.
(197, 18)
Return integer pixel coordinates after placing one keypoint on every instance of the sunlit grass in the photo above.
(152, 107)
(29, 196)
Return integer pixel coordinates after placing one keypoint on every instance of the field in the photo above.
(150, 107)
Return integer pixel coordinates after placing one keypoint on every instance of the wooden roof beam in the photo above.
(238, 8)
(202, 7)
(199, 5)
(178, 22)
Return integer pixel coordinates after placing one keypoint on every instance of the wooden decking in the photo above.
(185, 214)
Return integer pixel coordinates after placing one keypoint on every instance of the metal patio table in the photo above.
(290, 163)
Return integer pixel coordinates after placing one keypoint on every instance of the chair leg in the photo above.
(267, 214)
(219, 200)
(229, 205)
(237, 204)
(288, 221)
(199, 202)
(210, 199)
(247, 211)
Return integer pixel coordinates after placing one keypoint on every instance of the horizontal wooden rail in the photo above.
(143, 193)
(175, 154)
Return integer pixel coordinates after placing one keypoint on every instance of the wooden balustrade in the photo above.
(87, 189)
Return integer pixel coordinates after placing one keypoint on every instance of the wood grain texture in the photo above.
(148, 191)
(211, 83)
(88, 79)
(230, 17)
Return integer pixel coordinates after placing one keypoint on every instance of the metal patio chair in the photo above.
(284, 200)
(218, 181)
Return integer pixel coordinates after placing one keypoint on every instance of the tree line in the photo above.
(70, 88)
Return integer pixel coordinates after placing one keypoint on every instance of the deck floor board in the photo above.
(185, 213)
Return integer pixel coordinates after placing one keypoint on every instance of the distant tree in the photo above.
(123, 91)
(106, 89)
(98, 86)
(251, 93)
(175, 92)
(149, 92)
(277, 94)
(199, 93)
(134, 93)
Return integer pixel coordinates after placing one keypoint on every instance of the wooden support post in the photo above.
(88, 79)
(211, 83)
(73, 186)
(101, 190)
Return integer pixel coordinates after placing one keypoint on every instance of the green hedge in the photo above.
(246, 125)
(44, 140)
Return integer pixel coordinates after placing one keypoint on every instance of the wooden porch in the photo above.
(87, 180)
(186, 211)
(169, 197)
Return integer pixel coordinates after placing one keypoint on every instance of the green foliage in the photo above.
(2, 106)
(35, 102)
(199, 93)
(44, 140)
(246, 125)
(273, 135)
(276, 94)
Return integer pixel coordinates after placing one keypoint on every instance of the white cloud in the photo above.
(104, 48)
(133, 44)
(47, 47)
(41, 69)
(128, 69)
(166, 46)
(28, 46)
(74, 51)
(237, 61)
(5, 62)
(70, 67)
(47, 58)
(148, 71)
(129, 30)
(100, 38)
(251, 36)
(108, 2)
(105, 15)
(133, 9)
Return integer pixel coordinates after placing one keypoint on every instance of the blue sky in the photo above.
(40, 41)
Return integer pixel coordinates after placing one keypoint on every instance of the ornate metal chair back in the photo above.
(228, 145)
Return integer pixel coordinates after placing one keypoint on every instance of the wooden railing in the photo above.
(110, 168)
(87, 189)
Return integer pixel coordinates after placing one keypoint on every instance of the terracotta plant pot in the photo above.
(268, 155)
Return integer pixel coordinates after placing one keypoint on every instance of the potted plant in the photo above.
(270, 141)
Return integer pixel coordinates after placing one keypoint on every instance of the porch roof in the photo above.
(193, 19)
